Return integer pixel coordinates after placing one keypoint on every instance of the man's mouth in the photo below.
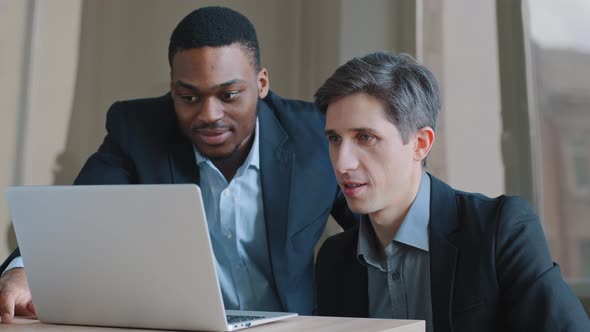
(354, 185)
(352, 189)
(215, 136)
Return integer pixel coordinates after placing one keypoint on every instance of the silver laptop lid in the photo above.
(125, 255)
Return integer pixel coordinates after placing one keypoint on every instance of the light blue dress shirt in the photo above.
(404, 268)
(235, 217)
(16, 262)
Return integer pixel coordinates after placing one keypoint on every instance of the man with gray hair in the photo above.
(423, 250)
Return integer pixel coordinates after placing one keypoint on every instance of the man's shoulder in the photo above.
(294, 114)
(302, 122)
(151, 107)
(344, 238)
(150, 116)
(476, 213)
(340, 246)
(142, 122)
(501, 206)
(286, 105)
(474, 201)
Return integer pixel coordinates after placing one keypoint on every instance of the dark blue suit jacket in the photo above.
(144, 145)
(490, 269)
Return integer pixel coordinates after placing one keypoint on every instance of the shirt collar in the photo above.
(367, 248)
(413, 230)
(253, 158)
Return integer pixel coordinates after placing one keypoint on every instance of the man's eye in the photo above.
(230, 95)
(333, 139)
(189, 99)
(366, 138)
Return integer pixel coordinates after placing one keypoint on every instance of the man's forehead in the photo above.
(227, 56)
(354, 120)
(356, 117)
(352, 129)
(180, 84)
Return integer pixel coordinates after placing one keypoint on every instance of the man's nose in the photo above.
(211, 110)
(344, 159)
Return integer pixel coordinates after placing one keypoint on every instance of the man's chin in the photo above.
(357, 207)
(216, 153)
(216, 156)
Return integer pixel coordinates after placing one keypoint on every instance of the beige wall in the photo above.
(12, 40)
(365, 28)
(40, 67)
(38, 74)
(471, 96)
(429, 43)
(122, 54)
(52, 67)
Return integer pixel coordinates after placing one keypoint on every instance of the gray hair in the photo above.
(408, 91)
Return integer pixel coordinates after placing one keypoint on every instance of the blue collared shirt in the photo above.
(404, 270)
(235, 217)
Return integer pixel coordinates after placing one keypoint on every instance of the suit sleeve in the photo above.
(534, 295)
(15, 253)
(110, 164)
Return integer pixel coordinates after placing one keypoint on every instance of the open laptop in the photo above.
(122, 255)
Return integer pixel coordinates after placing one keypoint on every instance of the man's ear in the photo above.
(423, 143)
(263, 83)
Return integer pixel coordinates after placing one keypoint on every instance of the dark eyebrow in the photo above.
(363, 129)
(329, 132)
(181, 84)
(229, 83)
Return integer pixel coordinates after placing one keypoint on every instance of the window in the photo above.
(585, 256)
(559, 107)
(578, 158)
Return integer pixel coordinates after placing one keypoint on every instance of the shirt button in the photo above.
(228, 235)
(226, 192)
(395, 275)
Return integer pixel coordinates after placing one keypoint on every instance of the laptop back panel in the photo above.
(128, 256)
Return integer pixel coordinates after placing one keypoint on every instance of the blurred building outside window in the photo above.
(559, 100)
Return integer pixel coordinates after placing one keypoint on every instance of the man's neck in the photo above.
(384, 230)
(229, 166)
(386, 222)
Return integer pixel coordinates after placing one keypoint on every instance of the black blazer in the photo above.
(144, 145)
(490, 269)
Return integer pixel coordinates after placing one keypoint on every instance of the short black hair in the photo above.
(216, 27)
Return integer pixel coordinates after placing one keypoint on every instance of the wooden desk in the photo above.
(295, 324)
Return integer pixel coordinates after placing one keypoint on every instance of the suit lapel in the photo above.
(443, 254)
(276, 161)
